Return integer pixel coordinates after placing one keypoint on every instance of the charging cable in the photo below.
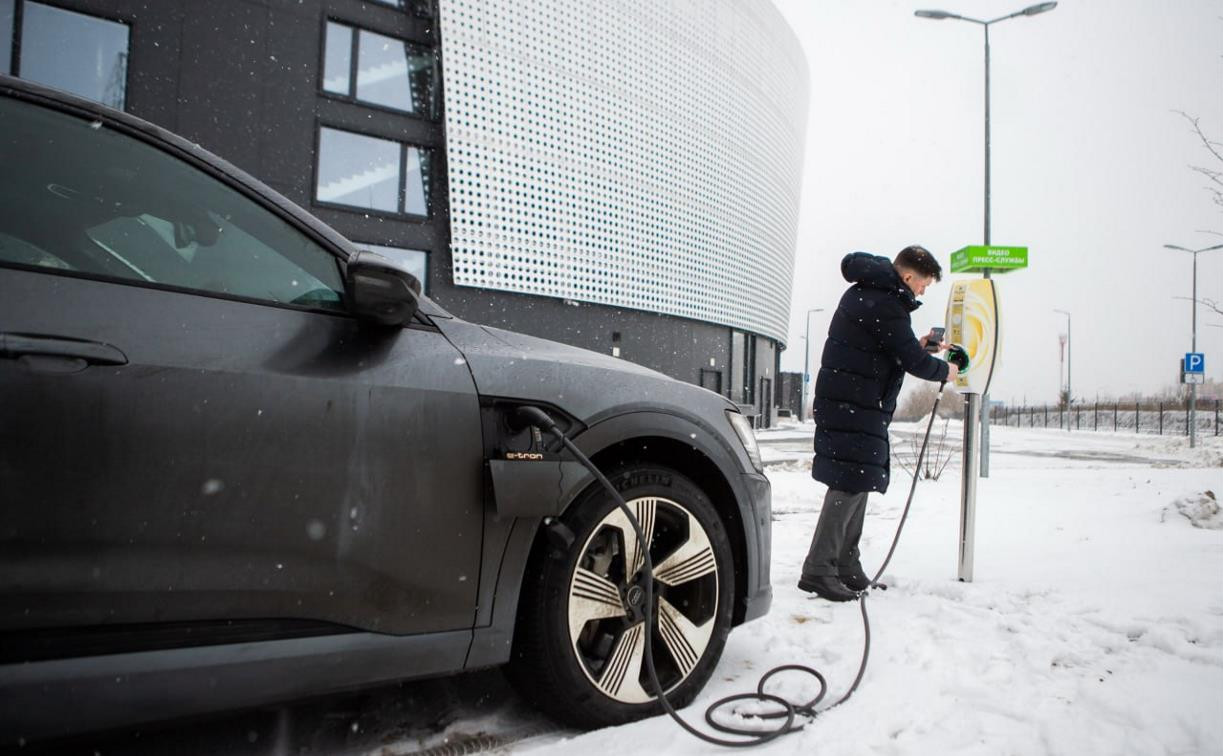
(789, 710)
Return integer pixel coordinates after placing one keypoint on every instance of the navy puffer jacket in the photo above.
(870, 347)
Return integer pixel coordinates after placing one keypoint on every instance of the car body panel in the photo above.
(589, 386)
(248, 461)
(54, 698)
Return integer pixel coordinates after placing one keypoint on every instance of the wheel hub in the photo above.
(634, 597)
(634, 603)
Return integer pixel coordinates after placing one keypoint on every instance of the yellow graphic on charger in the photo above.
(973, 322)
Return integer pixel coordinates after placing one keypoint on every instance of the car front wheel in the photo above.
(580, 638)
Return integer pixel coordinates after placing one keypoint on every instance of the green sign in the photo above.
(996, 259)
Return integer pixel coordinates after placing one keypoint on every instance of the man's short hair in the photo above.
(919, 260)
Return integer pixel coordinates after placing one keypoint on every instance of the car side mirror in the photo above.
(380, 291)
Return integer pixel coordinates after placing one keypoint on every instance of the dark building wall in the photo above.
(790, 394)
(242, 79)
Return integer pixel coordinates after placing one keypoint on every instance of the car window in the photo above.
(79, 196)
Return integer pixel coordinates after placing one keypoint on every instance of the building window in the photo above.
(737, 350)
(362, 171)
(749, 369)
(414, 261)
(419, 7)
(6, 35)
(377, 70)
(81, 54)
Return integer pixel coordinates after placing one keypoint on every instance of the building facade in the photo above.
(618, 175)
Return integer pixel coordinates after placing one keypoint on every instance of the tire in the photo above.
(579, 642)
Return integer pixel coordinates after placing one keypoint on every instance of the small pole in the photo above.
(1190, 420)
(1161, 418)
(1116, 405)
(968, 485)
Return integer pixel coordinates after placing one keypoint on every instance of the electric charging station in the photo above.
(973, 322)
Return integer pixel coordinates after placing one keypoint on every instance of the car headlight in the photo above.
(743, 429)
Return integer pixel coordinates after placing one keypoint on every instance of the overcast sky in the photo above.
(1090, 171)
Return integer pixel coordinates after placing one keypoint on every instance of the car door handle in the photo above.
(14, 346)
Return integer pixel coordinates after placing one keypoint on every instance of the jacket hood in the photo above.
(877, 272)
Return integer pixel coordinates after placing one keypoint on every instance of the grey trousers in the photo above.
(834, 547)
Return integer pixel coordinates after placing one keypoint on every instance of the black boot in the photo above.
(858, 581)
(826, 586)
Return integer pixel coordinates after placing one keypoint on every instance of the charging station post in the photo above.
(973, 322)
(968, 486)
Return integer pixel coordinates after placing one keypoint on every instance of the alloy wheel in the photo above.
(606, 599)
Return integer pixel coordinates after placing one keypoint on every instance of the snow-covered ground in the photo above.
(1093, 625)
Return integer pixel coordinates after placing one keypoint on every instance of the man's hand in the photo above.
(952, 371)
(924, 340)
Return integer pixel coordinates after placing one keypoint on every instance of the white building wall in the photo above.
(640, 153)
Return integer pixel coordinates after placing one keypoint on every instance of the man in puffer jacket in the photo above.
(869, 349)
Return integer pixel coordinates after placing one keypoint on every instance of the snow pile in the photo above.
(1208, 453)
(1200, 509)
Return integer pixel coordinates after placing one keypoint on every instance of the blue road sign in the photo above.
(1195, 362)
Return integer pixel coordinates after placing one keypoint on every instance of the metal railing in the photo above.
(1162, 418)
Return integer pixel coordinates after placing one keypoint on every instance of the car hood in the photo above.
(588, 385)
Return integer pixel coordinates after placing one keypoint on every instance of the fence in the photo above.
(1163, 418)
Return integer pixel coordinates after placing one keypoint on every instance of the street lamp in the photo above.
(1193, 387)
(802, 412)
(938, 15)
(1069, 395)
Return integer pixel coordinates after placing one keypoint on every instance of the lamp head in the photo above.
(1194, 251)
(1032, 10)
(937, 15)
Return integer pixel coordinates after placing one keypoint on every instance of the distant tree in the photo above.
(1213, 171)
(938, 454)
(920, 400)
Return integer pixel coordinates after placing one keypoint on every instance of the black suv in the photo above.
(242, 461)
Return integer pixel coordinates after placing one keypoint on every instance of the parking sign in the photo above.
(1195, 362)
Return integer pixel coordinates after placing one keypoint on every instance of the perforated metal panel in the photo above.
(644, 154)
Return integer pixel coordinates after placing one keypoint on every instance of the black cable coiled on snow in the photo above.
(789, 710)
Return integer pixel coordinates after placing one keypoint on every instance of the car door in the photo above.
(194, 430)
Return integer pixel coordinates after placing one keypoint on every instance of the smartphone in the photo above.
(936, 338)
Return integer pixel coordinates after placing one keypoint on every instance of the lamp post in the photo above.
(1069, 363)
(1193, 387)
(807, 360)
(1061, 366)
(938, 15)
